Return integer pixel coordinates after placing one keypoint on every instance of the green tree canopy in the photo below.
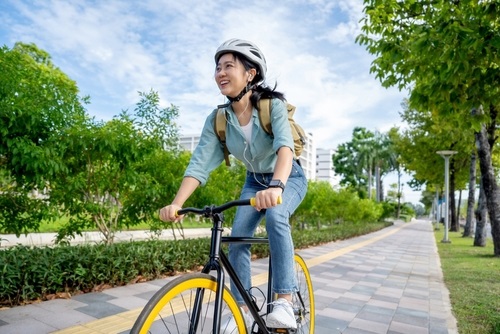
(38, 103)
(108, 168)
(359, 160)
(446, 53)
(426, 134)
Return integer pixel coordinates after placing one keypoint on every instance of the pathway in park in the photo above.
(389, 281)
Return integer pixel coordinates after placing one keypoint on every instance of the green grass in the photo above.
(472, 275)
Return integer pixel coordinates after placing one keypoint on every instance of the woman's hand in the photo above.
(168, 213)
(267, 198)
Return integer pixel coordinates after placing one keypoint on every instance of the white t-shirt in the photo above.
(247, 131)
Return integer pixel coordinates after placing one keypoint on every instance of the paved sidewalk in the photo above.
(47, 239)
(389, 281)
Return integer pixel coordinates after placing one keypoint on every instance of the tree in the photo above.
(396, 164)
(366, 154)
(364, 150)
(447, 54)
(417, 145)
(161, 173)
(480, 212)
(344, 164)
(488, 185)
(352, 162)
(106, 168)
(38, 102)
(385, 160)
(469, 221)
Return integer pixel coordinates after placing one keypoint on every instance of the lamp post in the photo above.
(446, 155)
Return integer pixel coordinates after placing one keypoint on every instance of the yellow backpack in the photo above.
(264, 108)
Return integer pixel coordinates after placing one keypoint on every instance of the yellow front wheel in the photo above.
(303, 299)
(171, 309)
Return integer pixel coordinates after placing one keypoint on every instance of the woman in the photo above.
(272, 171)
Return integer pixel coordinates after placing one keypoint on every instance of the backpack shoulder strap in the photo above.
(264, 108)
(291, 110)
(220, 124)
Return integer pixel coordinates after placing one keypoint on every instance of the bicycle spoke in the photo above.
(171, 310)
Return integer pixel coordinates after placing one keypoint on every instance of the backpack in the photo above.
(264, 108)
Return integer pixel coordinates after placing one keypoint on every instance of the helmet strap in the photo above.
(245, 90)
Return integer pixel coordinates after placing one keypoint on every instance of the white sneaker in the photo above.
(230, 325)
(282, 315)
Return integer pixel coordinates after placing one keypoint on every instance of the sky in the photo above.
(114, 49)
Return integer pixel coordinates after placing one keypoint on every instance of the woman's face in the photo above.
(231, 76)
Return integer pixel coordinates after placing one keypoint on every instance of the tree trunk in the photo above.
(436, 209)
(398, 212)
(485, 141)
(370, 182)
(469, 219)
(381, 191)
(481, 212)
(377, 182)
(453, 222)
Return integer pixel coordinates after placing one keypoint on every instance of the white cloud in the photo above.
(115, 48)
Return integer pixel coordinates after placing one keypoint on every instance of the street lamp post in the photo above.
(446, 155)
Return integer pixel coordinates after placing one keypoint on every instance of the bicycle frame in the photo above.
(181, 306)
(219, 262)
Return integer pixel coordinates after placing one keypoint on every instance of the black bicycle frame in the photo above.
(219, 262)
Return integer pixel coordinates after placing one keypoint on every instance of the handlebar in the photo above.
(210, 210)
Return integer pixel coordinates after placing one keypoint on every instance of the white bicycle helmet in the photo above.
(247, 49)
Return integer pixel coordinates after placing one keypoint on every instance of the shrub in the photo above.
(32, 273)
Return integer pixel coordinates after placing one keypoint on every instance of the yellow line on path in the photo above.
(125, 320)
(113, 324)
(329, 256)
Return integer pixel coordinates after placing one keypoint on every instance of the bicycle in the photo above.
(195, 303)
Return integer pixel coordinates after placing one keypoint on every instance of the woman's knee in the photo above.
(277, 222)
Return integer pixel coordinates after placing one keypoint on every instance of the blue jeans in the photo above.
(278, 229)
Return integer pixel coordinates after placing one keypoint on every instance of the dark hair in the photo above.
(259, 91)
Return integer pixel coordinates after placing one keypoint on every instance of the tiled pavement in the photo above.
(389, 281)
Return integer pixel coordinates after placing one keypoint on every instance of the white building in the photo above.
(189, 142)
(324, 166)
(308, 158)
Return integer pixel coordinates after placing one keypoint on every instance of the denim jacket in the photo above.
(259, 156)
